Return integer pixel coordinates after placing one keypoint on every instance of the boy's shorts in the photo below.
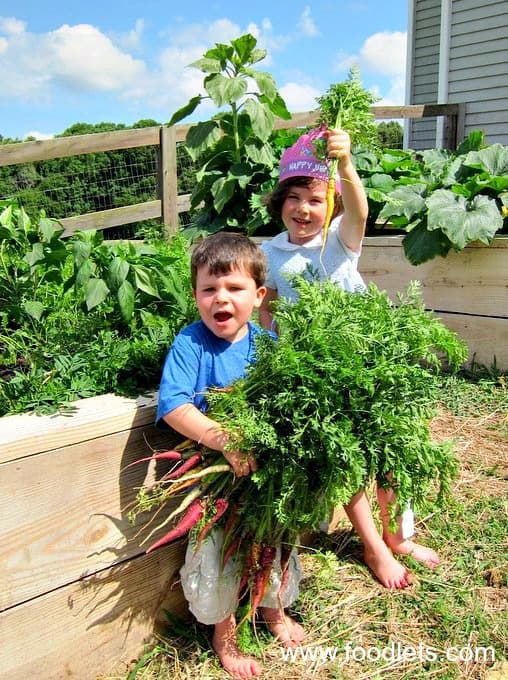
(212, 592)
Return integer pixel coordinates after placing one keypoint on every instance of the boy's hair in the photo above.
(274, 201)
(224, 251)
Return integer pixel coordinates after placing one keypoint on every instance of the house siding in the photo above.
(478, 68)
(421, 134)
(477, 73)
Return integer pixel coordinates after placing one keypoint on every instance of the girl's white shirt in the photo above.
(337, 263)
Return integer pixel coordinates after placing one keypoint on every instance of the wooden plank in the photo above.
(86, 629)
(487, 338)
(473, 281)
(169, 173)
(28, 434)
(43, 150)
(113, 217)
(64, 512)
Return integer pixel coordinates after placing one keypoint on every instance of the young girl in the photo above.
(299, 201)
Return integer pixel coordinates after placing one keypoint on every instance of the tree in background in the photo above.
(391, 134)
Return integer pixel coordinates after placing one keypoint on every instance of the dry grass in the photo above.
(463, 604)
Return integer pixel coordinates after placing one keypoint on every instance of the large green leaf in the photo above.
(277, 106)
(405, 200)
(244, 46)
(185, 110)
(96, 291)
(49, 229)
(222, 190)
(207, 65)
(81, 251)
(262, 119)
(224, 89)
(463, 221)
(117, 273)
(34, 308)
(145, 280)
(421, 245)
(126, 297)
(202, 137)
(260, 154)
(265, 83)
(493, 159)
(242, 173)
(35, 255)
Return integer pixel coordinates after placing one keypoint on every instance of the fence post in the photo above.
(168, 179)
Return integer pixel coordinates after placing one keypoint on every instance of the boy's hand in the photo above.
(242, 463)
(338, 143)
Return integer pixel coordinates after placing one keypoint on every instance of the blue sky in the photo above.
(64, 61)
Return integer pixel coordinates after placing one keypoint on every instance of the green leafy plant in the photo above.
(233, 147)
(79, 317)
(346, 105)
(442, 199)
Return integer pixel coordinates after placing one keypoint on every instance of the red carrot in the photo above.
(230, 550)
(191, 462)
(163, 455)
(220, 506)
(251, 566)
(193, 515)
(262, 577)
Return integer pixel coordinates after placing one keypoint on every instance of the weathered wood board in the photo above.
(77, 592)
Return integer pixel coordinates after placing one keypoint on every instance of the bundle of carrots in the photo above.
(343, 396)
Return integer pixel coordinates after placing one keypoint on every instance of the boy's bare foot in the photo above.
(384, 566)
(237, 664)
(421, 553)
(283, 627)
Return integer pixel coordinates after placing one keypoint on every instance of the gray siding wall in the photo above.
(425, 70)
(478, 68)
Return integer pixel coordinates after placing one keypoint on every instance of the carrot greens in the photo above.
(342, 397)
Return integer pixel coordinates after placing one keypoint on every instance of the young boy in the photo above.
(227, 273)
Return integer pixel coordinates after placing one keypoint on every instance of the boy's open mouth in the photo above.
(222, 316)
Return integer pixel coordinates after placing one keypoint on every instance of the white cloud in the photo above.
(3, 45)
(11, 26)
(385, 53)
(299, 97)
(38, 135)
(306, 24)
(396, 93)
(83, 58)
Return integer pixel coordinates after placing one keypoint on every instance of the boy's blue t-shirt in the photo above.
(199, 360)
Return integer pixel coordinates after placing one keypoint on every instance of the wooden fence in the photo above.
(169, 204)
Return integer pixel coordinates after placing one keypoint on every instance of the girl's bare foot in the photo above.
(283, 627)
(237, 664)
(421, 553)
(384, 566)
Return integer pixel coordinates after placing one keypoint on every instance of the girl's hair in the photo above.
(224, 251)
(274, 201)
